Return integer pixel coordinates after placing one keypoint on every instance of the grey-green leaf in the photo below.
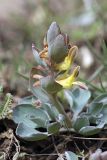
(24, 113)
(27, 100)
(69, 97)
(40, 94)
(95, 108)
(40, 122)
(80, 122)
(38, 60)
(104, 114)
(97, 105)
(101, 99)
(30, 134)
(51, 110)
(80, 98)
(91, 130)
(53, 128)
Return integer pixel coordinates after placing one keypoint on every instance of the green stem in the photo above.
(61, 110)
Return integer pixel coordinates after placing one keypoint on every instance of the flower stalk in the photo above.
(61, 110)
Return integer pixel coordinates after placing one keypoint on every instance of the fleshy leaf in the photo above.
(95, 108)
(97, 105)
(80, 122)
(27, 100)
(91, 130)
(30, 134)
(53, 128)
(25, 112)
(51, 110)
(104, 114)
(80, 98)
(101, 99)
(38, 60)
(69, 97)
(41, 122)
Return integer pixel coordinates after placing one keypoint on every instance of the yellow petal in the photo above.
(69, 81)
(66, 64)
(63, 76)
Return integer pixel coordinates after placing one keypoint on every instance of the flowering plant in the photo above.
(54, 85)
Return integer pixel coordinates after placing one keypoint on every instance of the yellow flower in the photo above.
(68, 81)
(66, 64)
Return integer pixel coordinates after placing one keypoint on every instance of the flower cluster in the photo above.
(53, 63)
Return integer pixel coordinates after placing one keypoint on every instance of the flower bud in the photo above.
(58, 49)
(53, 32)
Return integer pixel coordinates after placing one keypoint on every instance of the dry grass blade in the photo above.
(89, 138)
